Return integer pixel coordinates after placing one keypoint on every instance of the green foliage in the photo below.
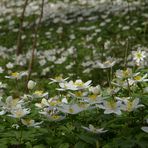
(81, 42)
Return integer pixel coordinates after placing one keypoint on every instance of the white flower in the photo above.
(26, 97)
(2, 85)
(123, 84)
(107, 45)
(121, 74)
(43, 103)
(73, 109)
(58, 79)
(103, 65)
(31, 84)
(61, 60)
(1, 70)
(3, 112)
(42, 62)
(39, 94)
(10, 104)
(95, 90)
(138, 78)
(55, 117)
(70, 65)
(138, 56)
(93, 99)
(19, 112)
(45, 71)
(92, 129)
(17, 75)
(82, 85)
(123, 99)
(77, 85)
(131, 105)
(31, 123)
(111, 107)
(145, 128)
(64, 100)
(145, 90)
(50, 102)
(9, 65)
(16, 126)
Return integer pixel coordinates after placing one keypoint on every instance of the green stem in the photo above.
(108, 78)
(126, 54)
(145, 28)
(21, 135)
(129, 89)
(97, 144)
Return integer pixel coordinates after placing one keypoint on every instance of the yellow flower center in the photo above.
(19, 113)
(71, 110)
(55, 117)
(129, 106)
(38, 92)
(111, 104)
(15, 74)
(58, 78)
(78, 94)
(107, 62)
(137, 78)
(54, 103)
(28, 121)
(79, 84)
(139, 55)
(93, 97)
(126, 73)
(14, 102)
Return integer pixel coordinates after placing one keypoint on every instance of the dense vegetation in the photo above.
(73, 74)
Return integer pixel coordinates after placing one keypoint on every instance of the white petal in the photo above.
(145, 129)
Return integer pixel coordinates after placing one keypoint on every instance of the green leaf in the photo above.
(64, 145)
(81, 145)
(87, 139)
(39, 146)
(3, 146)
(28, 145)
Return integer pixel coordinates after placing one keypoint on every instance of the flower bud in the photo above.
(95, 90)
(31, 84)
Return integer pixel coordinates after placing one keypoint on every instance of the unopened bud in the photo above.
(31, 84)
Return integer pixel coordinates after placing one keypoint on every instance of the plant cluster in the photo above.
(86, 83)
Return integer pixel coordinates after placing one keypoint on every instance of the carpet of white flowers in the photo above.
(74, 74)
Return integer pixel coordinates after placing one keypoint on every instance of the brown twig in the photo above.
(19, 37)
(34, 43)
